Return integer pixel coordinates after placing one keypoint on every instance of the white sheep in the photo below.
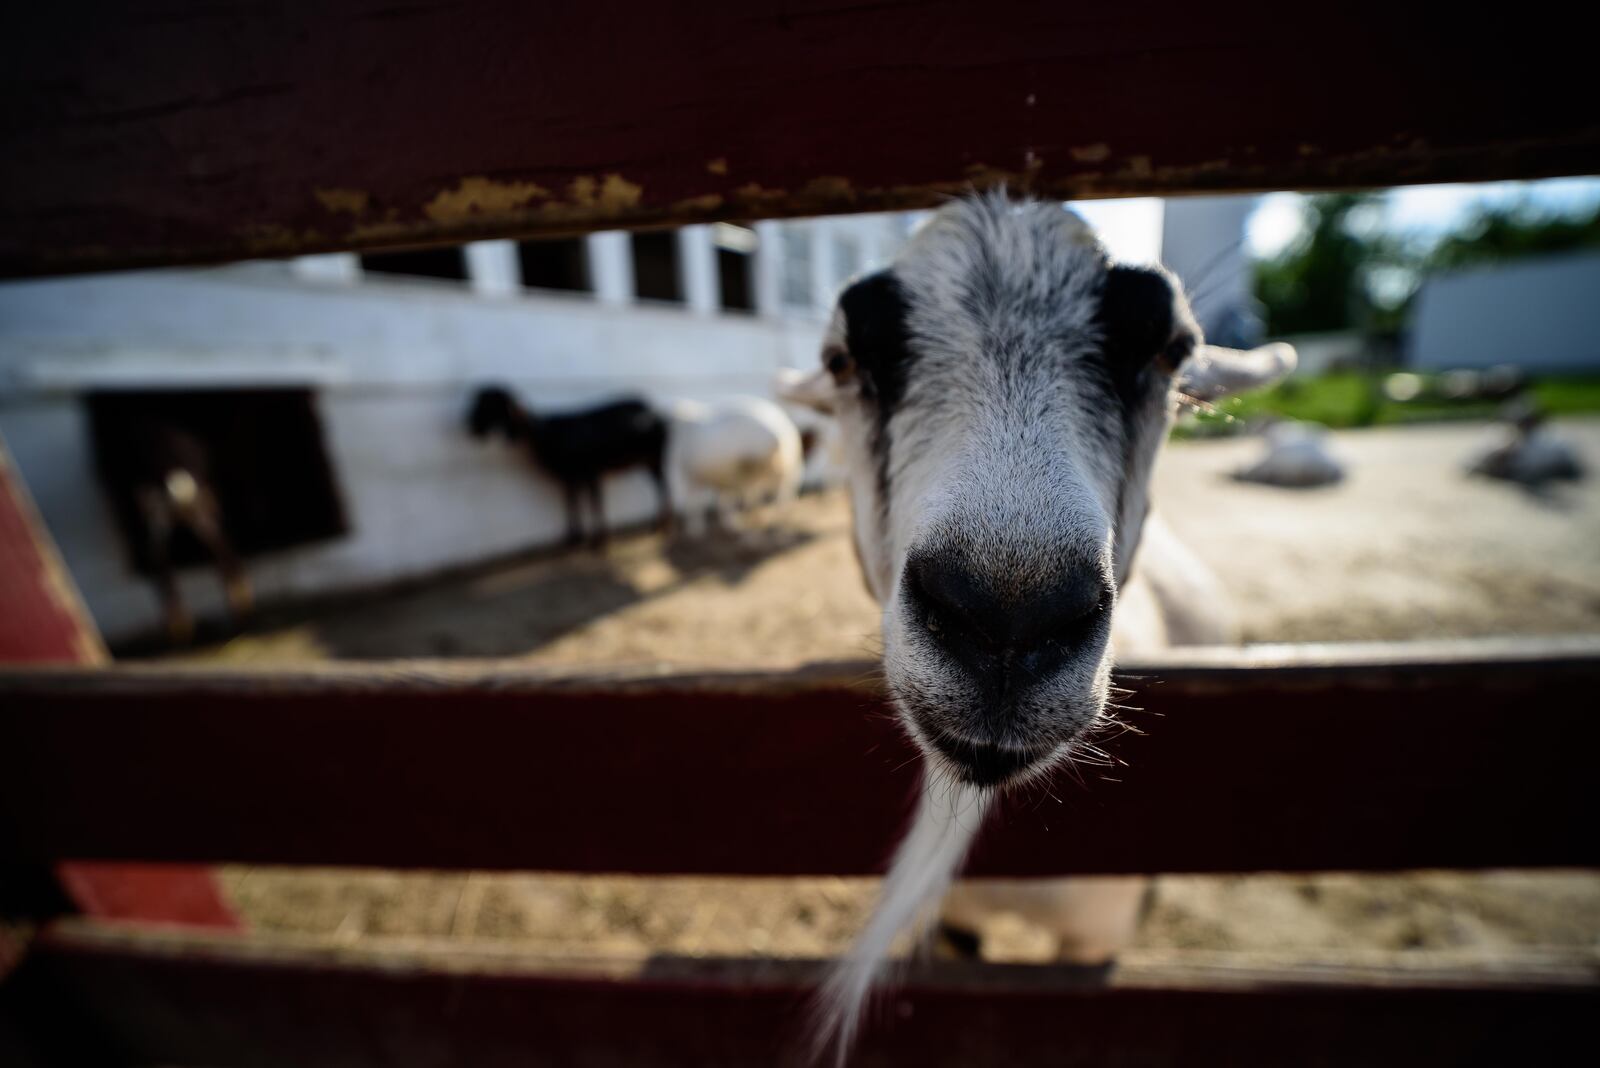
(731, 455)
(1296, 455)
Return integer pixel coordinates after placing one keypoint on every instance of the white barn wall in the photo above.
(393, 364)
(1202, 242)
(1542, 314)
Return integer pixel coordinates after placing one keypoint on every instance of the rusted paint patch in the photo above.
(481, 196)
(609, 195)
(388, 227)
(275, 239)
(982, 176)
(754, 194)
(345, 217)
(352, 201)
(831, 188)
(697, 205)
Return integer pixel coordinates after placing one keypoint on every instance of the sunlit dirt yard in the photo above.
(1407, 547)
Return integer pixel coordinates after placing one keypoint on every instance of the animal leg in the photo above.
(158, 525)
(574, 519)
(595, 505)
(771, 500)
(788, 488)
(695, 515)
(665, 514)
(727, 510)
(755, 508)
(204, 518)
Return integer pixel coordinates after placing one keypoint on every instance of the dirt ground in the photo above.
(1406, 547)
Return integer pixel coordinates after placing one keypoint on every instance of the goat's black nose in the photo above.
(1029, 630)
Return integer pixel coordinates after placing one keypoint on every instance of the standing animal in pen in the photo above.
(579, 448)
(740, 453)
(1002, 391)
(168, 472)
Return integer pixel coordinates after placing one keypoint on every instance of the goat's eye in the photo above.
(1178, 350)
(839, 363)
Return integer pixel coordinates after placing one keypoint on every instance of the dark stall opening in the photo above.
(261, 451)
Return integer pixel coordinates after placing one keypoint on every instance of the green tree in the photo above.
(1343, 272)
(1505, 232)
(1316, 282)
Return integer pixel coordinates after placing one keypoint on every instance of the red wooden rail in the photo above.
(174, 1000)
(1378, 757)
(145, 132)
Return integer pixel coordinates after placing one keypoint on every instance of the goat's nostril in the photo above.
(949, 604)
(1065, 612)
(1034, 625)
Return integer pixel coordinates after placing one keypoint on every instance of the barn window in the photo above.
(736, 248)
(655, 266)
(448, 264)
(264, 454)
(562, 263)
(797, 291)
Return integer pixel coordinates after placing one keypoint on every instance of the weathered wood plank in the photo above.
(1326, 759)
(44, 620)
(143, 132)
(122, 998)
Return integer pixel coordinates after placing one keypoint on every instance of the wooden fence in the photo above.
(145, 133)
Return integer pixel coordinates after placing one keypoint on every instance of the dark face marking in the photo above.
(876, 337)
(1141, 318)
(1146, 332)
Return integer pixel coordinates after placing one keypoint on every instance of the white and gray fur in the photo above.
(1002, 392)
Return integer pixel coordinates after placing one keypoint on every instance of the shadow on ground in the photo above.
(507, 609)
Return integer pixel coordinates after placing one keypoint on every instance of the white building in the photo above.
(386, 350)
(1542, 314)
(1203, 242)
(382, 353)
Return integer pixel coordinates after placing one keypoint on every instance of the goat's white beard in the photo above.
(948, 818)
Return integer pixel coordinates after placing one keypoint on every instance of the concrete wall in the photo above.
(393, 364)
(1542, 314)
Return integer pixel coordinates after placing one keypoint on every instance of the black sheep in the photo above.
(577, 448)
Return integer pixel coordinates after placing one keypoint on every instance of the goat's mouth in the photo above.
(987, 765)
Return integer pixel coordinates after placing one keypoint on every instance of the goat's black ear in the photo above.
(876, 348)
(1144, 319)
